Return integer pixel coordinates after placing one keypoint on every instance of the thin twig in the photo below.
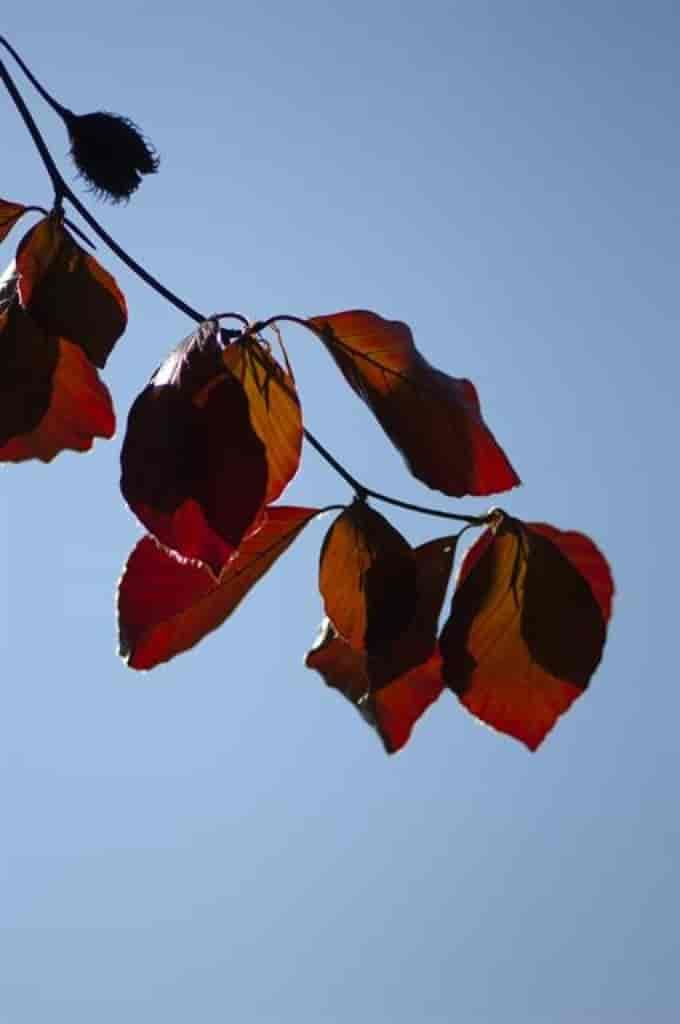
(137, 268)
(358, 488)
(26, 116)
(470, 520)
(62, 191)
(56, 107)
(361, 491)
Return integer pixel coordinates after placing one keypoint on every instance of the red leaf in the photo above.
(166, 605)
(392, 710)
(51, 397)
(67, 292)
(9, 215)
(396, 708)
(210, 442)
(433, 419)
(193, 469)
(527, 626)
(393, 691)
(367, 578)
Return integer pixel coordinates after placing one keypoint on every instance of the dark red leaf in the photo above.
(433, 419)
(527, 626)
(51, 397)
(28, 359)
(167, 605)
(415, 644)
(367, 578)
(67, 292)
(194, 470)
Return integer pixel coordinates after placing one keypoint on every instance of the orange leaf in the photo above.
(274, 410)
(193, 468)
(393, 691)
(67, 292)
(9, 215)
(527, 626)
(51, 397)
(367, 578)
(166, 605)
(433, 419)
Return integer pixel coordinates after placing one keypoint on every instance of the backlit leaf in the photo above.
(395, 709)
(413, 645)
(391, 692)
(9, 215)
(527, 626)
(433, 419)
(51, 397)
(367, 578)
(274, 410)
(67, 292)
(194, 470)
(392, 710)
(166, 605)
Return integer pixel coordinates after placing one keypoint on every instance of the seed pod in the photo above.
(110, 153)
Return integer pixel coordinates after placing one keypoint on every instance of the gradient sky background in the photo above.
(223, 838)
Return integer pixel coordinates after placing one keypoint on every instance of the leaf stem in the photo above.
(359, 489)
(470, 520)
(56, 107)
(362, 492)
(137, 268)
(231, 316)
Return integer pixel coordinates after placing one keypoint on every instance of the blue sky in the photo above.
(223, 838)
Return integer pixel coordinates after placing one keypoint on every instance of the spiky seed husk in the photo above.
(110, 152)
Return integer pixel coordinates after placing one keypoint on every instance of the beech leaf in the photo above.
(433, 419)
(367, 578)
(274, 408)
(51, 397)
(67, 292)
(527, 626)
(167, 604)
(194, 470)
(391, 692)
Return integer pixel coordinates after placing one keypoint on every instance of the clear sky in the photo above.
(223, 838)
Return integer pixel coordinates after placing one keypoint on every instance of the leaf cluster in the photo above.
(215, 437)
